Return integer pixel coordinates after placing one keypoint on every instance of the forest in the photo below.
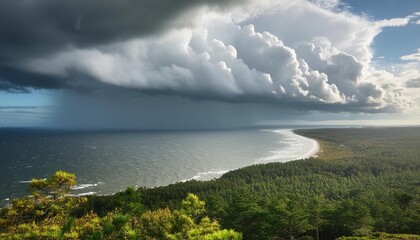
(364, 184)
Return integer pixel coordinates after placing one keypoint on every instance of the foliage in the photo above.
(32, 216)
(48, 215)
(364, 182)
(368, 182)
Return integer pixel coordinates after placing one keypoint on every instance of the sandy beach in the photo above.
(298, 148)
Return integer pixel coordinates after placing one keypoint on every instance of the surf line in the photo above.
(292, 152)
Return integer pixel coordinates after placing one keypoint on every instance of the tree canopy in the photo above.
(365, 184)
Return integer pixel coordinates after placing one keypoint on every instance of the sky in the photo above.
(160, 64)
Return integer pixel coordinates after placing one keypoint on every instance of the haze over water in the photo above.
(107, 162)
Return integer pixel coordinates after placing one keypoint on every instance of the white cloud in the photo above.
(394, 22)
(331, 5)
(399, 22)
(300, 21)
(191, 62)
(293, 52)
(412, 57)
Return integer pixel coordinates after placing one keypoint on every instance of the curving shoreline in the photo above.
(291, 147)
(315, 149)
(295, 141)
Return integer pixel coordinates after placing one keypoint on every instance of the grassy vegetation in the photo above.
(365, 181)
(333, 151)
(347, 143)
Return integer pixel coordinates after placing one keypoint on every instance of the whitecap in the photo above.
(82, 194)
(29, 181)
(209, 174)
(85, 194)
(25, 181)
(298, 147)
(86, 185)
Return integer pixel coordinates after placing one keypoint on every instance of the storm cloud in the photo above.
(44, 26)
(210, 50)
(39, 28)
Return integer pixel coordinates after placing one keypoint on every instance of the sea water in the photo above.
(108, 161)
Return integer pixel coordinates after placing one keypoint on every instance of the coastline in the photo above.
(315, 149)
(278, 156)
(282, 155)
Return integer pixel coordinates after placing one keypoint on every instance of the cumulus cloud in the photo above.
(300, 21)
(271, 53)
(33, 29)
(254, 66)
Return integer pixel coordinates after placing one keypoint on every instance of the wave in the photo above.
(290, 147)
(82, 194)
(296, 148)
(76, 187)
(85, 194)
(206, 175)
(83, 186)
(29, 181)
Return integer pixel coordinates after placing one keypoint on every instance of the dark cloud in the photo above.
(413, 83)
(44, 26)
(140, 47)
(17, 80)
(39, 28)
(12, 88)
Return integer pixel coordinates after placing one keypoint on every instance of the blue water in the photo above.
(106, 162)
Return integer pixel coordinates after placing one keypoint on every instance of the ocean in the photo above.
(108, 161)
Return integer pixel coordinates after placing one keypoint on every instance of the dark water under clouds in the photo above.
(106, 162)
